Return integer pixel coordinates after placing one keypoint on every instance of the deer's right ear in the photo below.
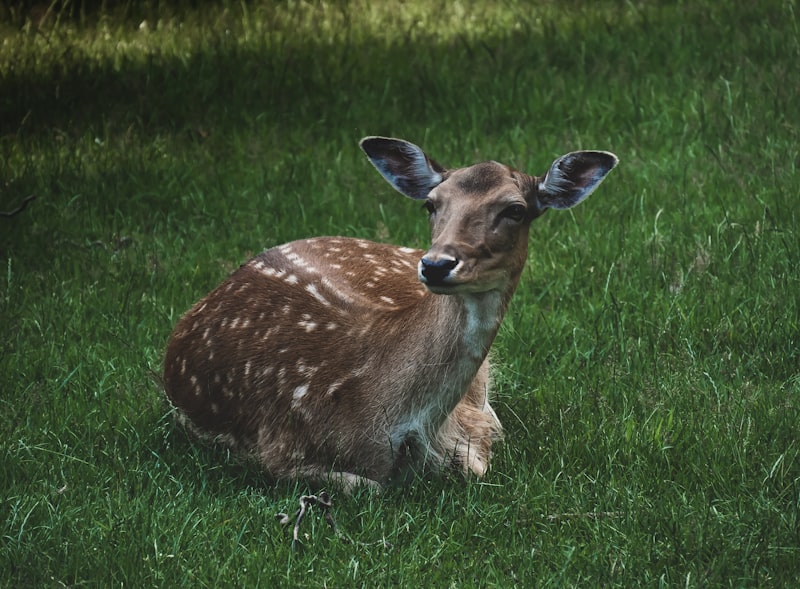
(404, 165)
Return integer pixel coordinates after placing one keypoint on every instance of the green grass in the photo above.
(649, 367)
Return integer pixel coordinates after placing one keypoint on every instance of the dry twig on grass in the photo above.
(20, 208)
(306, 502)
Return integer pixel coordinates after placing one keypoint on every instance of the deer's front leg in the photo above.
(467, 435)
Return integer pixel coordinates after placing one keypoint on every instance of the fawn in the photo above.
(341, 360)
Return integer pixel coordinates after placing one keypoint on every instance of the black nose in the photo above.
(435, 271)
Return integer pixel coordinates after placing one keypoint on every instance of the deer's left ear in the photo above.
(573, 177)
(404, 165)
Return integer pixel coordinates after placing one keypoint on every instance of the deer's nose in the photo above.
(434, 271)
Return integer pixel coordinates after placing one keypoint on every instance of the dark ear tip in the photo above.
(610, 159)
(602, 159)
(372, 144)
(366, 142)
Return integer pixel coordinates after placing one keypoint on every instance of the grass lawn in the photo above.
(648, 371)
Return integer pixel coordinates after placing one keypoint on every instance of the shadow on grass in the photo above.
(228, 77)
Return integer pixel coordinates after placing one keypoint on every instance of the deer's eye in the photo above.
(515, 212)
(429, 206)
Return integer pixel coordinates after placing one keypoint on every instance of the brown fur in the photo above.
(328, 359)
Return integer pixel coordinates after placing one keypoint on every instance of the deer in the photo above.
(342, 361)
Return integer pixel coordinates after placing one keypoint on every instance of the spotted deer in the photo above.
(341, 360)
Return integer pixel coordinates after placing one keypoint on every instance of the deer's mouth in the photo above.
(441, 288)
(452, 287)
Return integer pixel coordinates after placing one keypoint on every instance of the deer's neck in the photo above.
(458, 331)
(477, 318)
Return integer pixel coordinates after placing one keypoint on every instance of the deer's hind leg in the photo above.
(285, 457)
(346, 482)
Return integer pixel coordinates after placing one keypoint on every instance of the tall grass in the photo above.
(648, 370)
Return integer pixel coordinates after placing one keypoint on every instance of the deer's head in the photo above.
(480, 215)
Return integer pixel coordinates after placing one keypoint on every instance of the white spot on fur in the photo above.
(334, 290)
(269, 272)
(291, 279)
(312, 289)
(388, 300)
(308, 325)
(304, 369)
(333, 387)
(300, 262)
(298, 395)
(270, 332)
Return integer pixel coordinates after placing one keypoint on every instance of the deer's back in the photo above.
(282, 343)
